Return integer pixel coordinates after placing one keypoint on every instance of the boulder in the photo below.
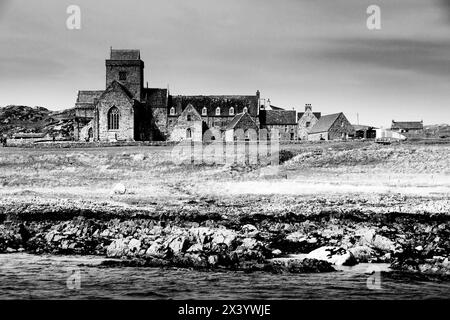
(334, 255)
(250, 244)
(363, 253)
(134, 245)
(177, 244)
(250, 230)
(138, 157)
(296, 237)
(157, 250)
(201, 234)
(197, 247)
(117, 248)
(224, 236)
(119, 188)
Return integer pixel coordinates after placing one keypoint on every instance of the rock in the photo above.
(119, 188)
(363, 253)
(117, 248)
(134, 245)
(197, 247)
(201, 234)
(156, 250)
(138, 157)
(250, 230)
(276, 252)
(419, 248)
(224, 236)
(250, 244)
(177, 244)
(300, 266)
(333, 255)
(368, 237)
(212, 260)
(296, 237)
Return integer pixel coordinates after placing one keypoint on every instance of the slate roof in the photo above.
(407, 125)
(359, 127)
(119, 85)
(235, 121)
(125, 54)
(275, 108)
(325, 123)
(155, 97)
(316, 114)
(224, 102)
(237, 118)
(86, 98)
(277, 117)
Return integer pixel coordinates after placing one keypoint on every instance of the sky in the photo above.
(294, 51)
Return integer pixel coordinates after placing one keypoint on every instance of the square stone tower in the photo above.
(126, 67)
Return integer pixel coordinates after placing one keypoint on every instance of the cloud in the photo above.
(428, 57)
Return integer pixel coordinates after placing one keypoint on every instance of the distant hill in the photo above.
(24, 119)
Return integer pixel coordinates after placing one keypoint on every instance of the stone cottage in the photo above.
(306, 121)
(331, 127)
(282, 120)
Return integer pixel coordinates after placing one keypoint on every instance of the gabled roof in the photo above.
(277, 117)
(275, 108)
(190, 109)
(86, 98)
(409, 125)
(224, 102)
(301, 114)
(325, 123)
(116, 85)
(235, 121)
(238, 118)
(125, 54)
(359, 127)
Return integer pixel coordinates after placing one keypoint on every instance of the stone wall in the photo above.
(195, 124)
(134, 71)
(303, 129)
(341, 129)
(126, 117)
(285, 132)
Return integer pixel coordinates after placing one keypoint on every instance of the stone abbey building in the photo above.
(128, 111)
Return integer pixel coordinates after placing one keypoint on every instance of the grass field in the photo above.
(150, 175)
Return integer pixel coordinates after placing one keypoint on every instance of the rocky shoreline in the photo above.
(209, 234)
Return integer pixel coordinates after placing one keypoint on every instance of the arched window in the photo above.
(172, 111)
(113, 119)
(204, 111)
(189, 117)
(231, 111)
(217, 111)
(188, 133)
(245, 109)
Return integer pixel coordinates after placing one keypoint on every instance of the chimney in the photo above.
(268, 103)
(308, 107)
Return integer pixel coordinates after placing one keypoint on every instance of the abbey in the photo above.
(128, 111)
